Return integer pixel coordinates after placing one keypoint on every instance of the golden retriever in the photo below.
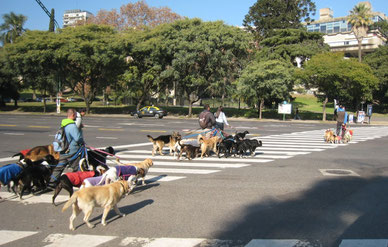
(86, 199)
(208, 144)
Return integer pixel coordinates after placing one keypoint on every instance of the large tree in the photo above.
(335, 77)
(378, 61)
(12, 27)
(266, 16)
(266, 80)
(91, 58)
(9, 81)
(360, 18)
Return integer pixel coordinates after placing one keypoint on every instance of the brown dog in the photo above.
(190, 150)
(329, 136)
(208, 145)
(86, 199)
(161, 141)
(39, 153)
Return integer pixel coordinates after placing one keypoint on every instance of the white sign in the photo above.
(284, 108)
(360, 117)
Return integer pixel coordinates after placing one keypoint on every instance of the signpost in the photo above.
(284, 109)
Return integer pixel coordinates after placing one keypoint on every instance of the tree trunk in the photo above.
(44, 104)
(261, 105)
(190, 108)
(359, 50)
(324, 108)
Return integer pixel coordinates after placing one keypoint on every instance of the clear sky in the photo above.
(232, 12)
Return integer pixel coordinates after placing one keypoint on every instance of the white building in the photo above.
(75, 16)
(339, 35)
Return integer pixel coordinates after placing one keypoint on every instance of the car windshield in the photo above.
(143, 109)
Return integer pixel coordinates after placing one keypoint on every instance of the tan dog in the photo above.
(39, 153)
(86, 199)
(142, 167)
(329, 136)
(208, 144)
(161, 141)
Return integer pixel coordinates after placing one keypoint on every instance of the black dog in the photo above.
(227, 146)
(240, 136)
(96, 158)
(247, 145)
(74, 179)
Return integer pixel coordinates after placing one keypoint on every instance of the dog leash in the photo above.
(99, 150)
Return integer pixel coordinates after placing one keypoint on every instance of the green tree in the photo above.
(382, 26)
(90, 58)
(292, 45)
(52, 18)
(12, 27)
(265, 80)
(9, 82)
(202, 56)
(335, 77)
(31, 57)
(360, 19)
(378, 61)
(266, 16)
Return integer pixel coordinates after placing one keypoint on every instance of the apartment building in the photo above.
(338, 32)
(75, 16)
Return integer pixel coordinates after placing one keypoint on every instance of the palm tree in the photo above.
(360, 19)
(12, 27)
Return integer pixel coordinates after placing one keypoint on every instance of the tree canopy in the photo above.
(12, 27)
(266, 16)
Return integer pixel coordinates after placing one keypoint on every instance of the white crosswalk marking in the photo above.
(66, 240)
(33, 199)
(275, 243)
(10, 236)
(364, 243)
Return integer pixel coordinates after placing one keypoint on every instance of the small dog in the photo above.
(247, 145)
(127, 171)
(208, 145)
(227, 146)
(9, 173)
(74, 179)
(38, 153)
(161, 141)
(240, 136)
(329, 136)
(86, 199)
(348, 136)
(190, 150)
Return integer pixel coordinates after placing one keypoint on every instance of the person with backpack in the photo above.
(67, 144)
(206, 118)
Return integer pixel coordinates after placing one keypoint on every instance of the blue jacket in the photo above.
(73, 135)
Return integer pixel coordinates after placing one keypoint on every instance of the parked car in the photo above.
(149, 111)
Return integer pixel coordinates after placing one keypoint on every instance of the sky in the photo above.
(232, 12)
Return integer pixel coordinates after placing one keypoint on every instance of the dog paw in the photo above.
(72, 228)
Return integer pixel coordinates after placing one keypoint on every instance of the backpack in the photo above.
(60, 142)
(202, 118)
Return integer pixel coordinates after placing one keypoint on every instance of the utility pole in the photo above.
(47, 12)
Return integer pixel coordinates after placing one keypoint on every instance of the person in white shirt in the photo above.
(78, 120)
(220, 118)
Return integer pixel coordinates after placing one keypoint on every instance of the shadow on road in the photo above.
(332, 210)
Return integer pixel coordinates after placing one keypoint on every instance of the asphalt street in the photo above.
(296, 190)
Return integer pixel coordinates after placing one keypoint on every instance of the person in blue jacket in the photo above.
(76, 141)
(342, 118)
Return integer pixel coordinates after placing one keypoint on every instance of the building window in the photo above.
(346, 43)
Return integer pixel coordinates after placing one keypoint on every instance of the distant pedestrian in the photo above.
(220, 118)
(297, 114)
(342, 118)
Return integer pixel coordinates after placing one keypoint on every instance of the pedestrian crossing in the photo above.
(74, 240)
(167, 168)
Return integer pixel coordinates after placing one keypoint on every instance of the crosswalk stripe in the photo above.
(275, 243)
(10, 236)
(364, 243)
(163, 242)
(185, 171)
(207, 159)
(65, 240)
(192, 164)
(162, 178)
(33, 199)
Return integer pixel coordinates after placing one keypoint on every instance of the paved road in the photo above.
(289, 194)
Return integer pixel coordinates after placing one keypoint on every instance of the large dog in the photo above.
(163, 140)
(208, 144)
(86, 199)
(74, 179)
(227, 146)
(97, 158)
(38, 153)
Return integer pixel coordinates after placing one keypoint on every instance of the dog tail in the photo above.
(102, 179)
(21, 156)
(150, 138)
(71, 201)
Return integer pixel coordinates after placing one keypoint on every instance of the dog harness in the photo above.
(8, 172)
(76, 178)
(126, 171)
